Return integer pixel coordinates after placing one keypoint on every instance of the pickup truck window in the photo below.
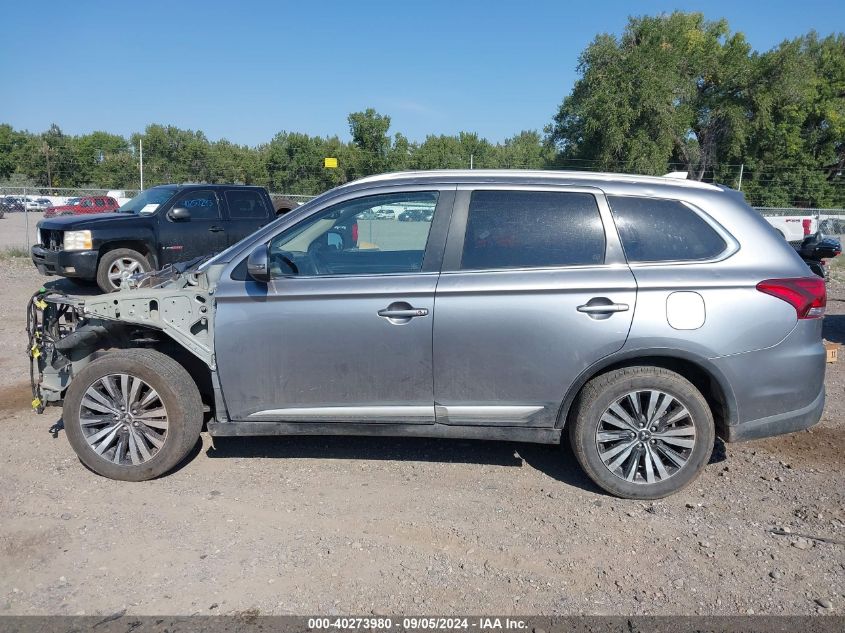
(654, 230)
(246, 205)
(202, 205)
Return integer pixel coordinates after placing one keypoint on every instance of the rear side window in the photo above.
(99, 202)
(245, 205)
(663, 230)
(532, 229)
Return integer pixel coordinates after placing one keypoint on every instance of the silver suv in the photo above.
(641, 316)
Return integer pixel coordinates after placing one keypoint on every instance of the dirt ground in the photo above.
(398, 526)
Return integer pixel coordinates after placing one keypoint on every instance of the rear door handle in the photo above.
(603, 308)
(215, 229)
(408, 313)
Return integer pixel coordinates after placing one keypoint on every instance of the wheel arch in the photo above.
(703, 374)
(136, 245)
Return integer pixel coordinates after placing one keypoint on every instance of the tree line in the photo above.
(673, 92)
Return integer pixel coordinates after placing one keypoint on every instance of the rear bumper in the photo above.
(80, 264)
(779, 389)
(778, 424)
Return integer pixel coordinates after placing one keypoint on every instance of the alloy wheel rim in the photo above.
(123, 267)
(646, 436)
(123, 419)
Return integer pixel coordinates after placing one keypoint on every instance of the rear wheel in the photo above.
(132, 414)
(117, 264)
(642, 432)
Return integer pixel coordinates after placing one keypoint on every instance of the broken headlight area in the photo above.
(62, 338)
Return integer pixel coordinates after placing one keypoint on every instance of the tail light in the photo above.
(355, 233)
(807, 224)
(806, 294)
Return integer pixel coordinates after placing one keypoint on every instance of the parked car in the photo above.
(639, 316)
(415, 215)
(161, 225)
(38, 204)
(12, 204)
(84, 206)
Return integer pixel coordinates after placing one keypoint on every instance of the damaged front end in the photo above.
(66, 332)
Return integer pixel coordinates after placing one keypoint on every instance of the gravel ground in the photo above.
(390, 526)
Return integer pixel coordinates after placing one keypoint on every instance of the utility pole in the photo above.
(141, 152)
(741, 169)
(470, 161)
(49, 173)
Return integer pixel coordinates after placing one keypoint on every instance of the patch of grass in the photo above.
(11, 252)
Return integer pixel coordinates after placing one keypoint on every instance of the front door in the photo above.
(203, 233)
(343, 331)
(532, 293)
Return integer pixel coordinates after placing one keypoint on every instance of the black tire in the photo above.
(110, 258)
(176, 391)
(605, 390)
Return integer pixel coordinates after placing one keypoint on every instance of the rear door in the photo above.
(534, 289)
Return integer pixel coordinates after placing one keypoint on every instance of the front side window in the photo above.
(201, 204)
(532, 229)
(245, 205)
(654, 230)
(354, 238)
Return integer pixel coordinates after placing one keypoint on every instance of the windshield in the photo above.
(148, 201)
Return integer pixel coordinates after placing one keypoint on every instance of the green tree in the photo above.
(669, 90)
(369, 136)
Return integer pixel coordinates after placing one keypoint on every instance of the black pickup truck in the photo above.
(160, 226)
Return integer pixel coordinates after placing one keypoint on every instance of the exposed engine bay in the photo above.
(169, 310)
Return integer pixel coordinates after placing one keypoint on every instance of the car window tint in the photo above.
(523, 229)
(246, 205)
(655, 230)
(371, 235)
(202, 205)
(99, 202)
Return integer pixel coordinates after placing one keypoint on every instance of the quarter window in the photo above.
(532, 229)
(654, 230)
(246, 205)
(366, 236)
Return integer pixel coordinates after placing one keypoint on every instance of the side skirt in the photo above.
(502, 433)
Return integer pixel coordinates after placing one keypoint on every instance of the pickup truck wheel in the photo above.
(642, 432)
(133, 414)
(117, 263)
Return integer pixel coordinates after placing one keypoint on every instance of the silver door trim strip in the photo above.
(489, 412)
(346, 414)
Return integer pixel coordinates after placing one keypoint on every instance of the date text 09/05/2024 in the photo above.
(417, 623)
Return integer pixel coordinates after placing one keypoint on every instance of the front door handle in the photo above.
(407, 313)
(603, 308)
(215, 229)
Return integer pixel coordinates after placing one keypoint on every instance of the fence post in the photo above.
(26, 219)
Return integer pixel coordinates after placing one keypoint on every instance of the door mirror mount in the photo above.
(258, 264)
(179, 214)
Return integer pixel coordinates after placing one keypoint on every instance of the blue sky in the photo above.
(246, 70)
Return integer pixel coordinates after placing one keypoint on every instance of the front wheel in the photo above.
(642, 432)
(117, 264)
(132, 414)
